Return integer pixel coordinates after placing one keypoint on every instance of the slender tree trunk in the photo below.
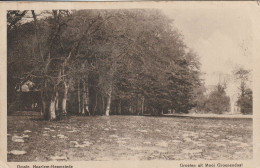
(44, 107)
(52, 114)
(142, 106)
(37, 35)
(103, 105)
(52, 110)
(64, 105)
(85, 99)
(44, 101)
(83, 105)
(79, 102)
(96, 101)
(130, 108)
(57, 102)
(64, 99)
(119, 107)
(109, 96)
(138, 109)
(161, 112)
(116, 108)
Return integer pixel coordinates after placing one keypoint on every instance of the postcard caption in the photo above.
(209, 165)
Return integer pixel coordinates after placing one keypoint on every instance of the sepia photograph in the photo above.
(130, 84)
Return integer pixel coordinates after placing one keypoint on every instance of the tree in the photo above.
(245, 102)
(245, 99)
(218, 102)
(199, 98)
(18, 60)
(39, 41)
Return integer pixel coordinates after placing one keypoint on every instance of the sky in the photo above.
(221, 37)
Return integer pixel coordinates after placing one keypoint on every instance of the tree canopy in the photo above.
(102, 61)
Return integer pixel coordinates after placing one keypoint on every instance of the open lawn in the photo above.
(79, 138)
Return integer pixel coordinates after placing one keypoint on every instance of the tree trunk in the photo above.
(109, 96)
(96, 101)
(85, 99)
(44, 101)
(103, 105)
(162, 112)
(37, 34)
(83, 105)
(130, 108)
(52, 114)
(116, 109)
(142, 106)
(119, 107)
(44, 112)
(64, 105)
(42, 108)
(57, 102)
(64, 99)
(79, 103)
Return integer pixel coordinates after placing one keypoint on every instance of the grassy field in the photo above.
(79, 138)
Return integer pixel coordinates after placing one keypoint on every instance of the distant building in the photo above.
(29, 96)
(25, 87)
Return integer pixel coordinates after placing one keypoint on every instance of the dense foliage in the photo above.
(101, 62)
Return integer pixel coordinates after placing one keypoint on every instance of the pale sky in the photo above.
(221, 37)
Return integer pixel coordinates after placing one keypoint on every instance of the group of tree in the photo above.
(216, 101)
(101, 62)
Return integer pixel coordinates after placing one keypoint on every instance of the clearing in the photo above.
(80, 138)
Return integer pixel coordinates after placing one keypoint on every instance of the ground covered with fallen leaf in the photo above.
(82, 138)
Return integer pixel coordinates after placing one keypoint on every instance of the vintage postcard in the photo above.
(130, 84)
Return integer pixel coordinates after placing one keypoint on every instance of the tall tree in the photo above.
(245, 99)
